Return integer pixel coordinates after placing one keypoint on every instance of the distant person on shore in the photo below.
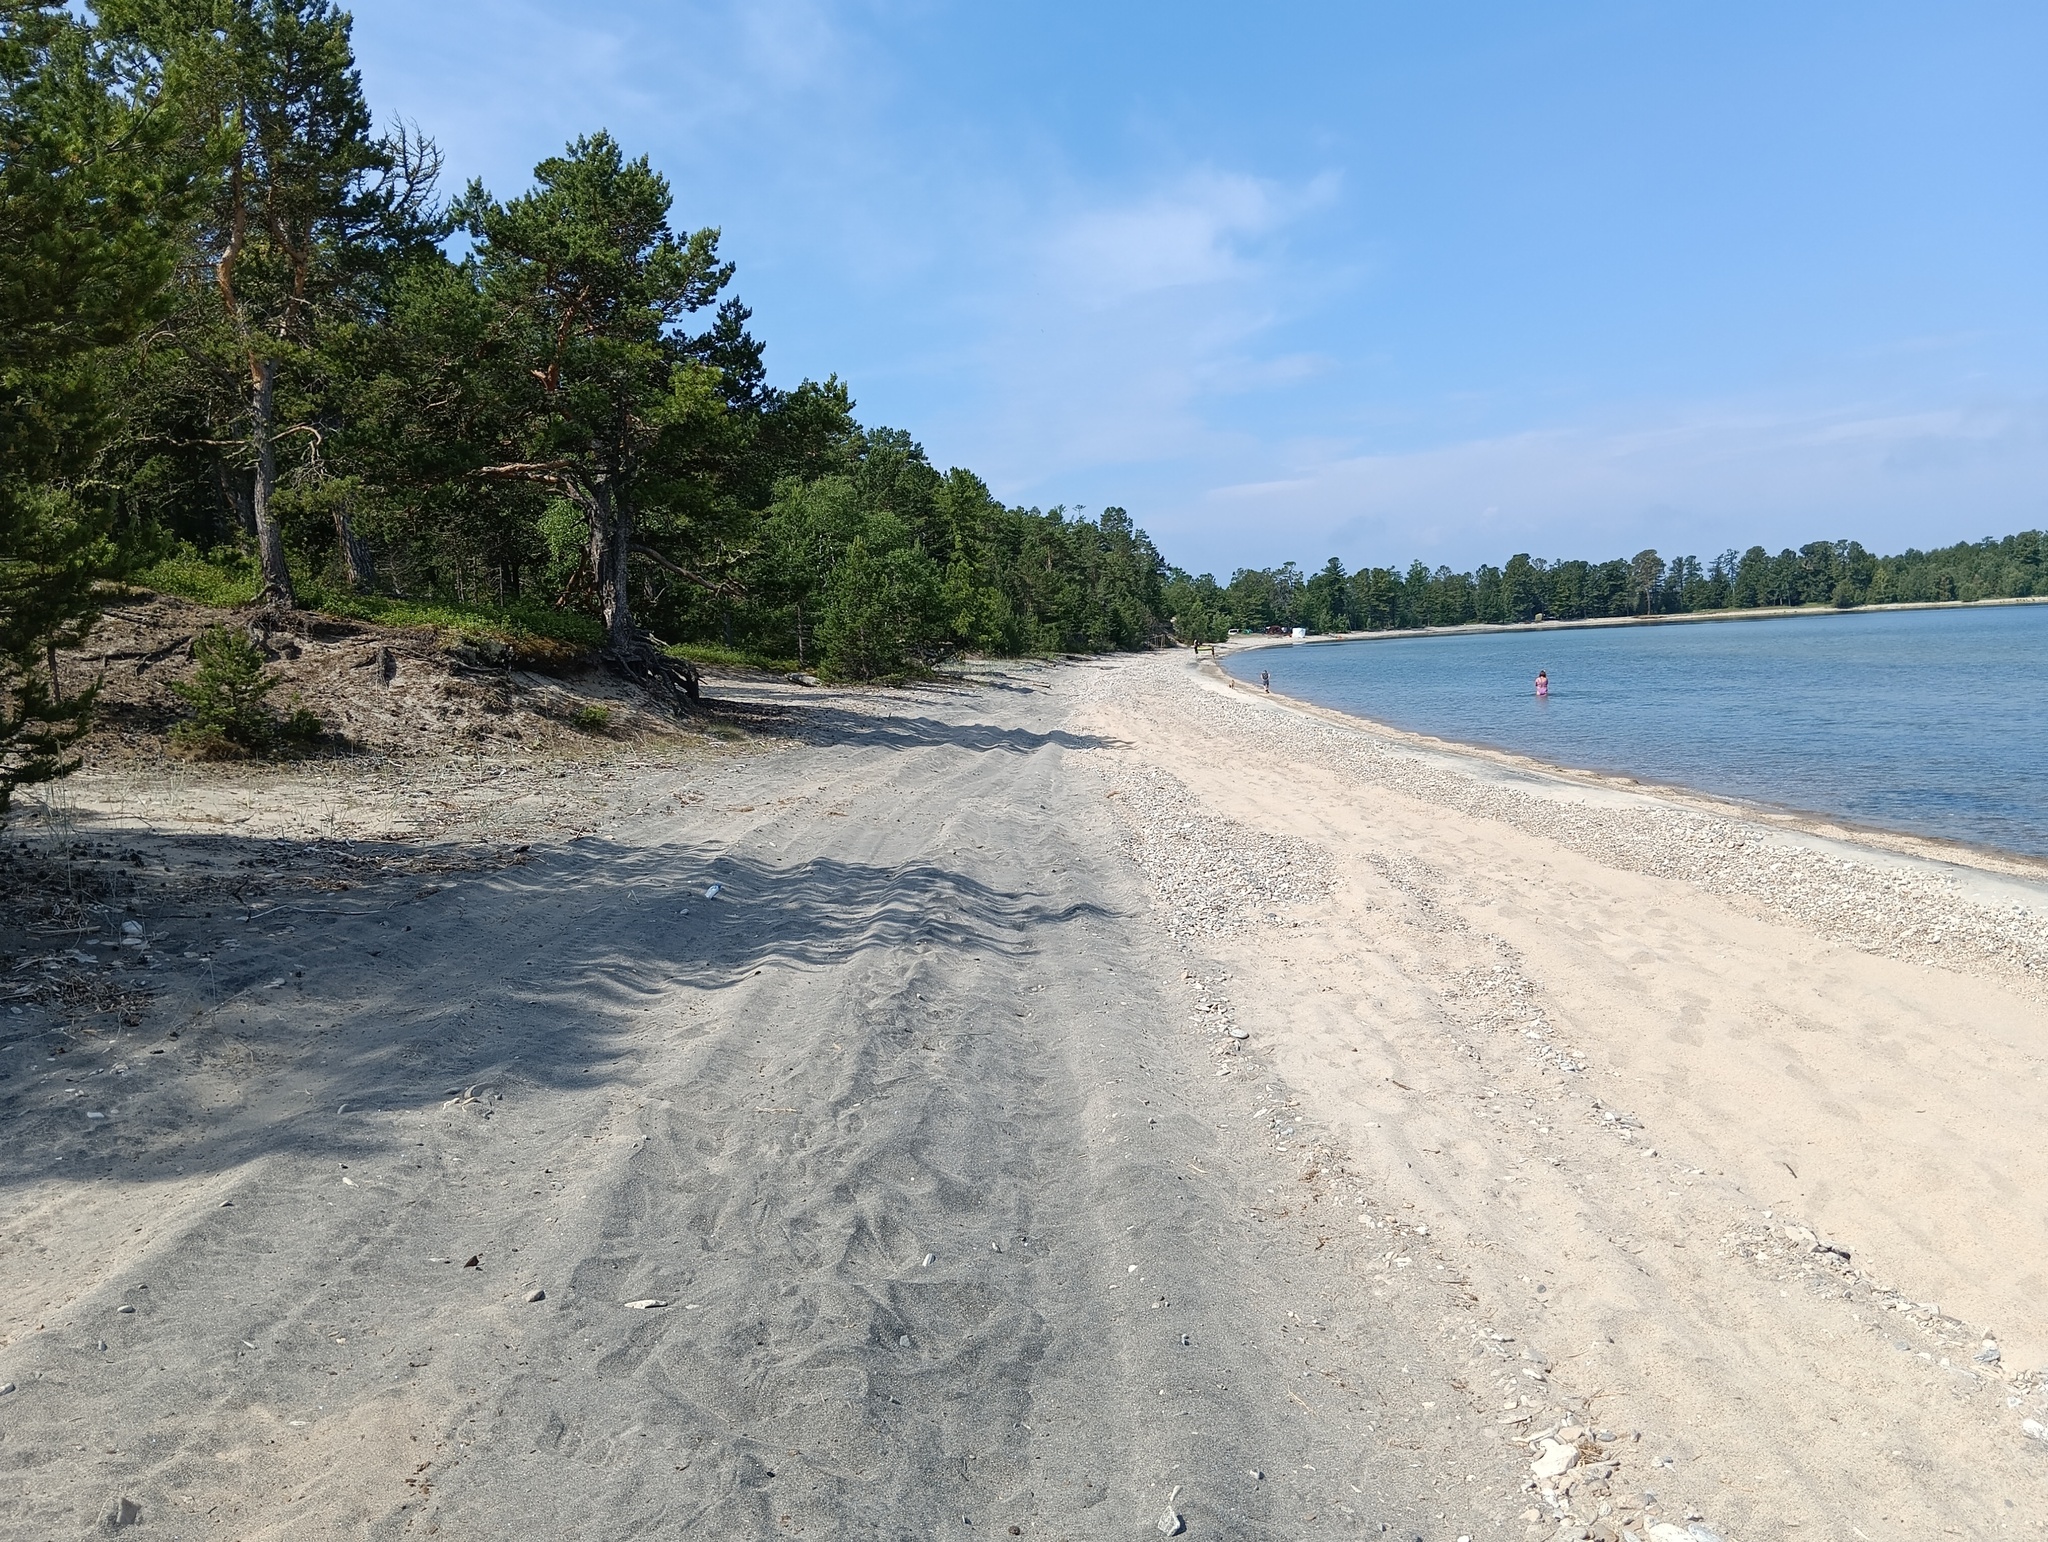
(1542, 682)
(1266, 680)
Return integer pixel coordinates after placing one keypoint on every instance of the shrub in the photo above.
(591, 720)
(230, 715)
(883, 614)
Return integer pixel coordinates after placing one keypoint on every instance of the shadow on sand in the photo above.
(296, 1029)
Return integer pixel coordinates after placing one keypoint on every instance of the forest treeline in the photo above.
(244, 330)
(1837, 573)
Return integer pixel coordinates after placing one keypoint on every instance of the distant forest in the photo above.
(1837, 573)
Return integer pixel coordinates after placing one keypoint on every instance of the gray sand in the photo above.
(1090, 1094)
(926, 1018)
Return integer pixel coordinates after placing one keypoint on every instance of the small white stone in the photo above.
(1170, 1523)
(1556, 1460)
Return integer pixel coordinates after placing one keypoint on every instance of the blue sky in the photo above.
(1378, 281)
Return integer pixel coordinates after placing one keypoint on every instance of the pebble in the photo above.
(536, 1295)
(6, 1387)
(131, 928)
(2035, 1428)
(714, 891)
(1557, 1460)
(124, 1310)
(1170, 1523)
(650, 1304)
(126, 1512)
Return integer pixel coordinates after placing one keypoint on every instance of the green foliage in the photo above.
(590, 720)
(91, 201)
(227, 693)
(228, 582)
(882, 614)
(737, 658)
(583, 280)
(1198, 609)
(536, 435)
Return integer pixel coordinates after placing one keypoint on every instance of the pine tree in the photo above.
(90, 200)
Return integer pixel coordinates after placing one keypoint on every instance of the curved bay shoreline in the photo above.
(1688, 618)
(1882, 890)
(1968, 858)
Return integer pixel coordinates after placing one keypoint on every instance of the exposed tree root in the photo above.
(671, 681)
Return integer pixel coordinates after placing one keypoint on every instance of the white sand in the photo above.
(965, 993)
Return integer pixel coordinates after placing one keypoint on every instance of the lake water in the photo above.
(1933, 722)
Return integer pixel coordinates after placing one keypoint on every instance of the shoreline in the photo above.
(1245, 642)
(1939, 850)
(1987, 867)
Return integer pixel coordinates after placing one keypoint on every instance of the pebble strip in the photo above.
(1214, 877)
(1874, 905)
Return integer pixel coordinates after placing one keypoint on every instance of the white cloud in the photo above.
(1698, 480)
(1105, 327)
(1198, 231)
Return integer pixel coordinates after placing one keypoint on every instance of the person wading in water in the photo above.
(1542, 682)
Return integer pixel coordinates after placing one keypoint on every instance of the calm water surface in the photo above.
(1933, 721)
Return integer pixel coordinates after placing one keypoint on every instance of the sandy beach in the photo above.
(1050, 1104)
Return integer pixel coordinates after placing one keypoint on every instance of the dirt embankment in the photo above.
(377, 690)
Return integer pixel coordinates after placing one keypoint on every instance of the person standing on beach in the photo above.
(1266, 680)
(1542, 682)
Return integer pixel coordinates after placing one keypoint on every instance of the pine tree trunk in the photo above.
(277, 578)
(610, 544)
(626, 648)
(234, 492)
(355, 556)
